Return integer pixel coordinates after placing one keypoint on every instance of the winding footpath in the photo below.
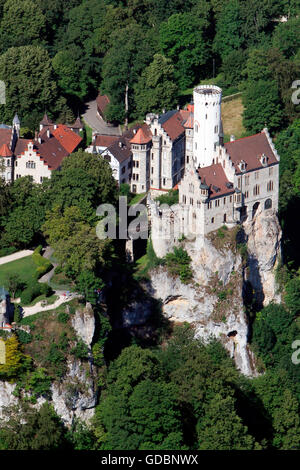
(39, 307)
(15, 256)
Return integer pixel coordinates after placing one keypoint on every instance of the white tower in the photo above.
(207, 123)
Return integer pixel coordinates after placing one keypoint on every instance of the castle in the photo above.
(223, 184)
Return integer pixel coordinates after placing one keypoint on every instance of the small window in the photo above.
(212, 220)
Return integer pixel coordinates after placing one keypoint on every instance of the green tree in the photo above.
(13, 283)
(87, 284)
(262, 107)
(24, 95)
(156, 88)
(287, 423)
(228, 36)
(286, 37)
(183, 40)
(23, 24)
(122, 66)
(221, 428)
(29, 429)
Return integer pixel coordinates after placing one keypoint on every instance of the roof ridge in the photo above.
(245, 137)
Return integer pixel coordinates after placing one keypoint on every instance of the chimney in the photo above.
(36, 135)
(40, 140)
(120, 144)
(232, 138)
(48, 133)
(55, 126)
(134, 131)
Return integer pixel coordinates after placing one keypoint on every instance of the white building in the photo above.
(223, 184)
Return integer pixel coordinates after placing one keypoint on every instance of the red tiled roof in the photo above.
(52, 152)
(215, 177)
(5, 151)
(250, 149)
(66, 137)
(173, 126)
(5, 136)
(102, 102)
(105, 140)
(142, 136)
(190, 108)
(21, 146)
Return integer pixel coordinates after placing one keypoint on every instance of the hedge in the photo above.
(43, 264)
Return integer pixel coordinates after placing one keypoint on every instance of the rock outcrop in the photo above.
(75, 395)
(213, 302)
(263, 242)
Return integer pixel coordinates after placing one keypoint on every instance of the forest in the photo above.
(173, 392)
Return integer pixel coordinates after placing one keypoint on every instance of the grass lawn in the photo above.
(24, 267)
(136, 199)
(232, 112)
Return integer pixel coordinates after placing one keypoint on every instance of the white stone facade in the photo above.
(30, 163)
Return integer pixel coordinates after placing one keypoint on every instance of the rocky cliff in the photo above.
(75, 395)
(214, 301)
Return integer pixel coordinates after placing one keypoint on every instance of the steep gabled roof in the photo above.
(171, 122)
(214, 177)
(121, 149)
(250, 149)
(66, 137)
(77, 124)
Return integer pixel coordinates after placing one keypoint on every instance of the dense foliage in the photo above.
(145, 55)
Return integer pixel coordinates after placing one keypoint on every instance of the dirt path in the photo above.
(27, 311)
(15, 256)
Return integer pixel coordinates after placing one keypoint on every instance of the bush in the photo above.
(172, 197)
(63, 317)
(178, 263)
(80, 351)
(24, 337)
(7, 251)
(43, 264)
(30, 293)
(58, 270)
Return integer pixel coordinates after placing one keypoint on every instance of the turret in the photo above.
(207, 123)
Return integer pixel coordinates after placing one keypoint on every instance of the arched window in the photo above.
(268, 204)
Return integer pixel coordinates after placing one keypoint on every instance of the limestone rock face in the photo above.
(263, 242)
(213, 302)
(76, 396)
(6, 396)
(83, 323)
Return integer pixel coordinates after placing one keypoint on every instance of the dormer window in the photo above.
(242, 166)
(264, 160)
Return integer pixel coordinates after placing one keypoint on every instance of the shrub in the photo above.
(178, 263)
(80, 351)
(172, 197)
(58, 270)
(63, 317)
(43, 264)
(24, 337)
(30, 293)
